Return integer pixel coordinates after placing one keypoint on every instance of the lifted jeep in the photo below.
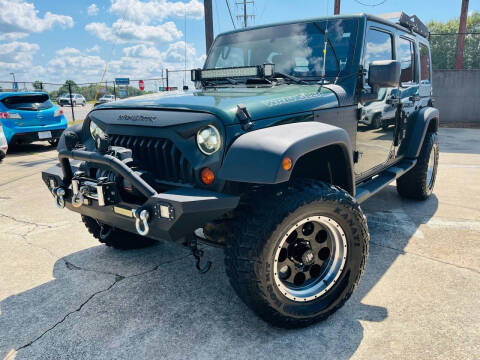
(270, 156)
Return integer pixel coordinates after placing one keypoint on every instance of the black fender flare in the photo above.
(256, 156)
(420, 126)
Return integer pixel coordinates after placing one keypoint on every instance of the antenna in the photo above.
(185, 55)
(243, 8)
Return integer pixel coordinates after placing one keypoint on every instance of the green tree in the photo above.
(444, 47)
(37, 85)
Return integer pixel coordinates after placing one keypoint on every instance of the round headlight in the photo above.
(95, 130)
(209, 140)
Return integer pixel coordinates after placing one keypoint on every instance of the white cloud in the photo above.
(142, 51)
(12, 36)
(82, 67)
(176, 53)
(17, 55)
(92, 10)
(16, 51)
(67, 51)
(155, 10)
(127, 31)
(21, 17)
(93, 49)
(141, 61)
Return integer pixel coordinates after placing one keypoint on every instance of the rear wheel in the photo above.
(418, 183)
(376, 121)
(115, 238)
(295, 258)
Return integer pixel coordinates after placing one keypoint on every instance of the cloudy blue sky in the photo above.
(54, 40)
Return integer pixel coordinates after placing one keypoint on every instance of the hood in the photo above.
(261, 103)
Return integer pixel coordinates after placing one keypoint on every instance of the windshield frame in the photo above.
(351, 49)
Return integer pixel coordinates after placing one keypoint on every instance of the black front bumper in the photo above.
(189, 208)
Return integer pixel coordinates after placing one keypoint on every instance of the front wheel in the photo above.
(115, 238)
(295, 258)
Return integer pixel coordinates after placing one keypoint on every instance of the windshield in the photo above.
(28, 102)
(295, 49)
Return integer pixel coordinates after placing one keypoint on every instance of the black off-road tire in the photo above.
(256, 233)
(116, 238)
(415, 183)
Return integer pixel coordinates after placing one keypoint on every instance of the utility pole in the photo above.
(461, 35)
(244, 11)
(336, 10)
(207, 7)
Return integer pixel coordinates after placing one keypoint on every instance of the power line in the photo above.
(243, 14)
(372, 5)
(230, 12)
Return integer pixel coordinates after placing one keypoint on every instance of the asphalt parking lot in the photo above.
(79, 112)
(62, 295)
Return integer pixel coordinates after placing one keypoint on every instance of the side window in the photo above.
(378, 46)
(424, 64)
(406, 55)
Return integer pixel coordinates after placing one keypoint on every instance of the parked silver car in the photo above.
(76, 99)
(106, 98)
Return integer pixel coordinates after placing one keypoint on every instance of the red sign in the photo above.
(141, 85)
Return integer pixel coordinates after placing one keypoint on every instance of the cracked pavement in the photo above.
(64, 296)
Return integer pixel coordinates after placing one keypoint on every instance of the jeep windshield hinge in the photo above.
(244, 117)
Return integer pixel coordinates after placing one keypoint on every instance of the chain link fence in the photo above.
(444, 49)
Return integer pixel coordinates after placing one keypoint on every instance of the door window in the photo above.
(406, 55)
(378, 46)
(424, 64)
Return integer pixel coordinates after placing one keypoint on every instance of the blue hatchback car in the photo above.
(30, 116)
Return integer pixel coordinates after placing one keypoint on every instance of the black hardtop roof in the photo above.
(377, 18)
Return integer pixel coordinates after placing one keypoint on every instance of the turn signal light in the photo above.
(286, 163)
(207, 176)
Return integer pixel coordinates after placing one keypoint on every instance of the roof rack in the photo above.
(410, 22)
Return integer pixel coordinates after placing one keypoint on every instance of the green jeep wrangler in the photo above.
(270, 157)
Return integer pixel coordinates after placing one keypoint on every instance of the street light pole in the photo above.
(13, 74)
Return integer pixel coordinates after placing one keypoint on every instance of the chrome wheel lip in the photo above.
(335, 267)
(431, 167)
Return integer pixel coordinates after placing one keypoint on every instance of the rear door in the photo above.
(33, 109)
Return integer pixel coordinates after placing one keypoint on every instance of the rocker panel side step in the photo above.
(377, 183)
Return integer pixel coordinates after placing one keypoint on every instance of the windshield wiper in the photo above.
(290, 77)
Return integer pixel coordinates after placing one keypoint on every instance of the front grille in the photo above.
(159, 156)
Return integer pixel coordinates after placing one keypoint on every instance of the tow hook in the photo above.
(79, 197)
(198, 254)
(59, 195)
(141, 220)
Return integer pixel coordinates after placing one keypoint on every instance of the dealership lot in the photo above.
(80, 112)
(62, 295)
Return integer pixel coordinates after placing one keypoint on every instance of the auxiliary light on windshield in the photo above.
(265, 70)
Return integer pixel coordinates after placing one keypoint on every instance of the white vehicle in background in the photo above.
(106, 98)
(3, 143)
(75, 99)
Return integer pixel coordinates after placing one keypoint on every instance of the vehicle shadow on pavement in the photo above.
(25, 149)
(152, 303)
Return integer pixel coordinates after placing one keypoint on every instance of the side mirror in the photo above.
(384, 73)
